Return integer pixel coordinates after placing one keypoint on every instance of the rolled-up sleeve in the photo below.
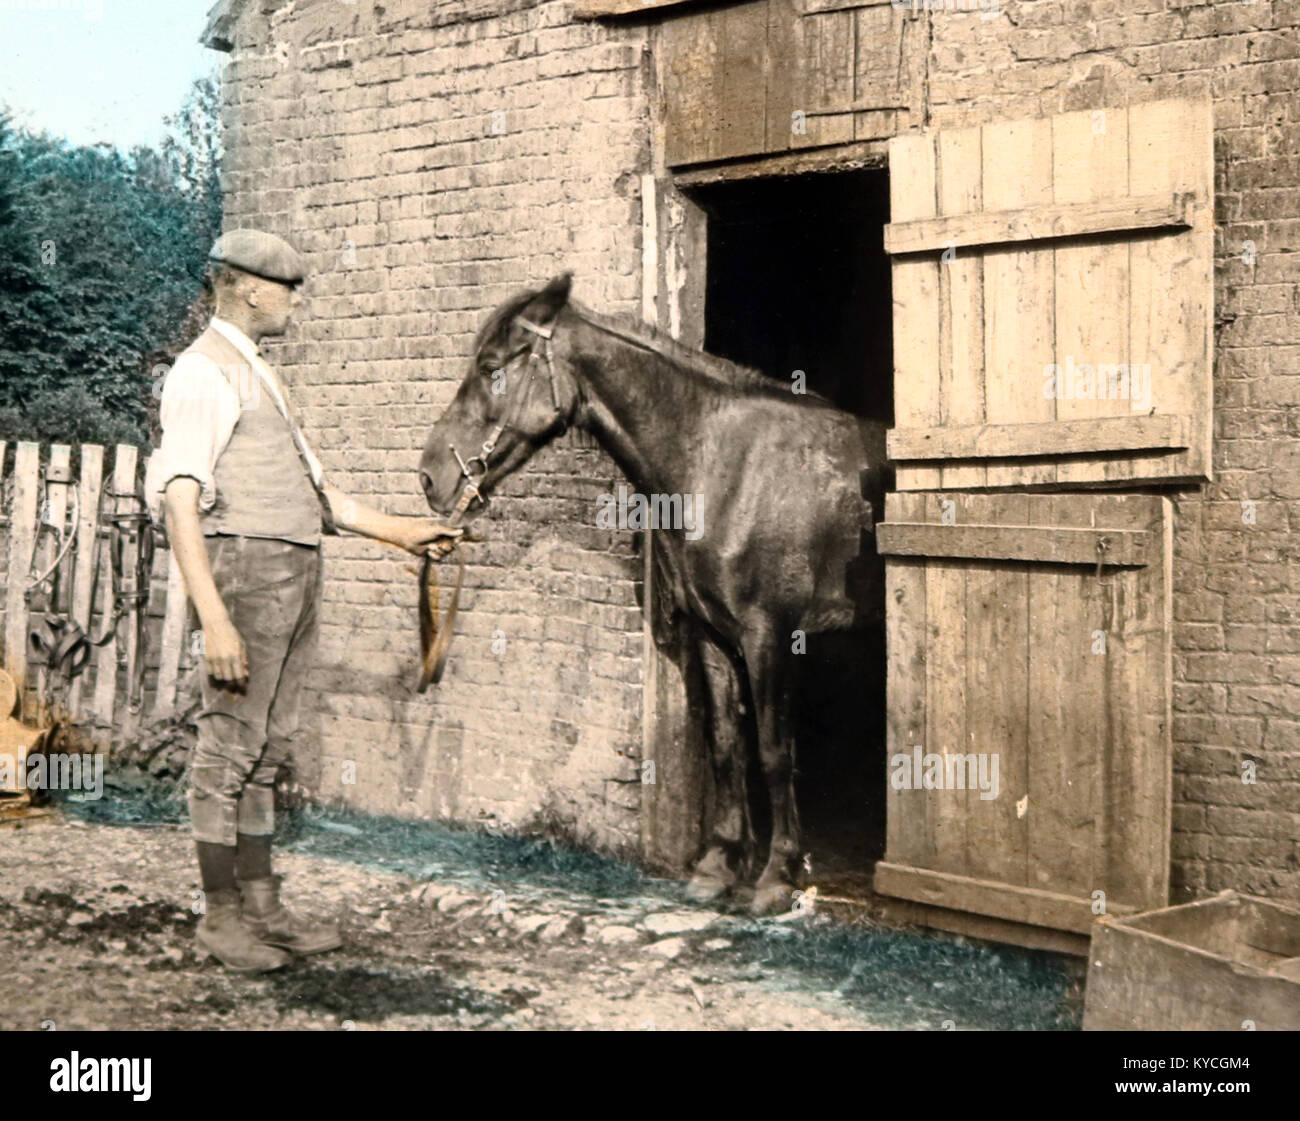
(198, 412)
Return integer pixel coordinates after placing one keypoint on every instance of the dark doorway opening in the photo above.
(798, 280)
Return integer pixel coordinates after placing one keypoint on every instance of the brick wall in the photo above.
(431, 160)
(376, 128)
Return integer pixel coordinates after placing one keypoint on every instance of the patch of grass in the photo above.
(421, 849)
(906, 977)
(414, 848)
(131, 797)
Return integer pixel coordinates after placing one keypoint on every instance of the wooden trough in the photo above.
(1223, 964)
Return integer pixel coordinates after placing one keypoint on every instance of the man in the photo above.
(246, 504)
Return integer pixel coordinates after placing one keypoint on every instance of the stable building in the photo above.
(1052, 245)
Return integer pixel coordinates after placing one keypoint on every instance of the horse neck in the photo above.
(638, 405)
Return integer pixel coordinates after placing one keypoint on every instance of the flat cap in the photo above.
(261, 254)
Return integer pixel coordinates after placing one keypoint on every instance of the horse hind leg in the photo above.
(731, 835)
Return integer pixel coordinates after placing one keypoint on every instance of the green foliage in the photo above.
(102, 257)
(69, 414)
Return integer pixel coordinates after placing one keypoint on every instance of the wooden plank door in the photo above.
(1053, 300)
(1028, 696)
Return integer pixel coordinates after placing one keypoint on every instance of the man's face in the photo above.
(275, 303)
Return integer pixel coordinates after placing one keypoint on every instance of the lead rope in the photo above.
(436, 633)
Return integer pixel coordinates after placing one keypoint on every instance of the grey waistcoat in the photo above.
(263, 485)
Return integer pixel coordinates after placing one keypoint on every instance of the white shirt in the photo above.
(199, 410)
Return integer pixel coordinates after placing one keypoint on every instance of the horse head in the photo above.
(513, 401)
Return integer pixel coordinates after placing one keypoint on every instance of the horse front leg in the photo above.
(731, 835)
(768, 663)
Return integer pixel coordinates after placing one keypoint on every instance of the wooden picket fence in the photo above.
(39, 491)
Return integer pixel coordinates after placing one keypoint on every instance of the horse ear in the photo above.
(546, 305)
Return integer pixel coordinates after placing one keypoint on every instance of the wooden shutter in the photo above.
(1082, 242)
(769, 77)
(1004, 637)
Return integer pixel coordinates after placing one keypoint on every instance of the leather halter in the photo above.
(436, 634)
(470, 492)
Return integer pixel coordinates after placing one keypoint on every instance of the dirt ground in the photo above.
(447, 930)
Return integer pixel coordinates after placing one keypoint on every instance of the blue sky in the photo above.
(101, 70)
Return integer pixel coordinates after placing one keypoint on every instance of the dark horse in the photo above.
(784, 481)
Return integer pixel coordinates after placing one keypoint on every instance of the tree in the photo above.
(102, 256)
(23, 292)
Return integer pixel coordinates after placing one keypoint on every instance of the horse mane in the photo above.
(719, 372)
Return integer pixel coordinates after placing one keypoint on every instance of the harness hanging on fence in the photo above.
(132, 541)
(57, 641)
(53, 640)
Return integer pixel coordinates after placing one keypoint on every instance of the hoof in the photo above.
(713, 877)
(773, 898)
(706, 889)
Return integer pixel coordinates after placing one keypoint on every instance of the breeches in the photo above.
(272, 590)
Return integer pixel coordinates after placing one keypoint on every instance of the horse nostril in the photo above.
(426, 481)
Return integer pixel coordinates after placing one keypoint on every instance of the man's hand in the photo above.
(415, 535)
(427, 535)
(225, 654)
